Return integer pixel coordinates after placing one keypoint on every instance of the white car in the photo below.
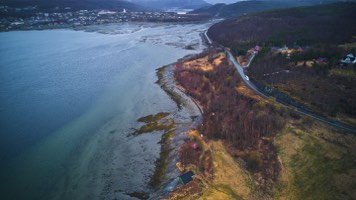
(247, 78)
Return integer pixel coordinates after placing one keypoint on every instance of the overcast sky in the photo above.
(221, 1)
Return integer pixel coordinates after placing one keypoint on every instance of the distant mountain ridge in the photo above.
(243, 7)
(165, 4)
(107, 4)
(48, 5)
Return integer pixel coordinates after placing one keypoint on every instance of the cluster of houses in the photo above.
(287, 51)
(348, 59)
(67, 18)
(283, 50)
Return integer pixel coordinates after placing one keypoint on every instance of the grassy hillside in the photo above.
(316, 162)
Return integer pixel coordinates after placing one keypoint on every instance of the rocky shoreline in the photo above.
(168, 84)
(187, 107)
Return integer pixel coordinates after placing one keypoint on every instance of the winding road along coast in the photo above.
(252, 86)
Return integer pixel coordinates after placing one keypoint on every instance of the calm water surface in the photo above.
(68, 100)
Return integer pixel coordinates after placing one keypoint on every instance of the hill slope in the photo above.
(242, 7)
(325, 32)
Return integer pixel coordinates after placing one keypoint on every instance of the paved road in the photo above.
(253, 87)
(249, 62)
(243, 76)
(299, 110)
(207, 38)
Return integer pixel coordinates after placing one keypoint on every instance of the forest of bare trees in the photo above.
(228, 115)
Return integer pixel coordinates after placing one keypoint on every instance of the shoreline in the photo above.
(84, 27)
(169, 85)
(185, 103)
(203, 159)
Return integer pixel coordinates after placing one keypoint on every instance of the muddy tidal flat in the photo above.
(70, 101)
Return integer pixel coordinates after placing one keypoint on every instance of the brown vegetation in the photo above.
(324, 31)
(227, 114)
(195, 153)
(257, 149)
(331, 93)
(242, 120)
(188, 155)
(317, 162)
(324, 24)
(190, 191)
(298, 159)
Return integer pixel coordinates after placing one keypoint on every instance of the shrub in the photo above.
(253, 160)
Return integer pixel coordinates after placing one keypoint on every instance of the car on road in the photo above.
(247, 78)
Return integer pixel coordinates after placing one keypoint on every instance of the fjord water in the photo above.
(69, 100)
